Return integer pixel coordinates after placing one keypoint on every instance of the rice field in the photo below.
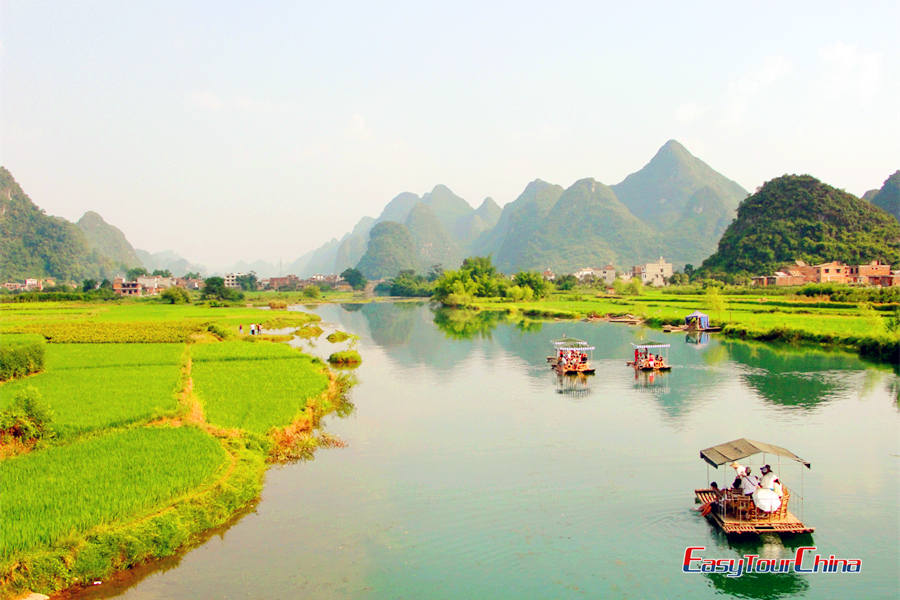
(93, 386)
(255, 386)
(67, 490)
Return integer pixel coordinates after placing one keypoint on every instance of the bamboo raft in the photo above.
(743, 518)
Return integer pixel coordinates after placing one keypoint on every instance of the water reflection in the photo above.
(795, 377)
(573, 385)
(766, 586)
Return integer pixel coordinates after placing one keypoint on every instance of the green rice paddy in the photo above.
(68, 490)
(94, 386)
(254, 387)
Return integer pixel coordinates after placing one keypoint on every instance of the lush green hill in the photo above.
(519, 223)
(799, 217)
(434, 244)
(469, 227)
(587, 226)
(660, 192)
(391, 249)
(108, 240)
(34, 244)
(353, 246)
(888, 197)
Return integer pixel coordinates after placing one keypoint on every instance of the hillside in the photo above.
(515, 233)
(676, 206)
(664, 187)
(391, 249)
(888, 197)
(799, 217)
(34, 244)
(108, 240)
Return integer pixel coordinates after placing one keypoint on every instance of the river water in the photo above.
(473, 472)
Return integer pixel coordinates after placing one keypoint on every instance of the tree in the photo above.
(175, 295)
(679, 279)
(248, 281)
(162, 273)
(214, 288)
(192, 275)
(689, 269)
(88, 285)
(634, 287)
(312, 291)
(106, 285)
(136, 272)
(566, 282)
(355, 278)
(534, 281)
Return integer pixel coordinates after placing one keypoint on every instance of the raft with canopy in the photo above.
(764, 511)
(572, 356)
(650, 348)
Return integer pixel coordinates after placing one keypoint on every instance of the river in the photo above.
(472, 472)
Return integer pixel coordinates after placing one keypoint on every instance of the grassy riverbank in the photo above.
(159, 431)
(863, 328)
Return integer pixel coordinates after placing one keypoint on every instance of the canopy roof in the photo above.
(569, 343)
(696, 313)
(650, 345)
(742, 448)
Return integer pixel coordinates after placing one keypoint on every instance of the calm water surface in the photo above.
(472, 472)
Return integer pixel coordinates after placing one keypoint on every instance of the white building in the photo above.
(654, 273)
(231, 280)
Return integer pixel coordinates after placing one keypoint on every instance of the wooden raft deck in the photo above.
(732, 525)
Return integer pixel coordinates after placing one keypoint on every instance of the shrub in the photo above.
(175, 295)
(312, 291)
(347, 357)
(27, 418)
(278, 304)
(21, 357)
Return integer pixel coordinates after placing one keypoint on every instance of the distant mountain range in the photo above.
(676, 206)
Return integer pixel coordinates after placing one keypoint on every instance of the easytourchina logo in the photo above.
(805, 560)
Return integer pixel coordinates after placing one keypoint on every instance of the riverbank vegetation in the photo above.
(150, 435)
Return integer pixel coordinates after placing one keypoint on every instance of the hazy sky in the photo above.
(228, 130)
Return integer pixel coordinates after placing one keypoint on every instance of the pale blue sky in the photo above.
(228, 130)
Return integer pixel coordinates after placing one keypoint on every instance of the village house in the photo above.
(801, 273)
(13, 286)
(231, 280)
(874, 273)
(126, 288)
(276, 283)
(189, 283)
(548, 275)
(152, 285)
(588, 274)
(654, 273)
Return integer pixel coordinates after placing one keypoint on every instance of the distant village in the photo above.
(152, 285)
(658, 274)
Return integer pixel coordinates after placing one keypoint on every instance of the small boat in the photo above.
(643, 357)
(764, 511)
(572, 357)
(697, 321)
